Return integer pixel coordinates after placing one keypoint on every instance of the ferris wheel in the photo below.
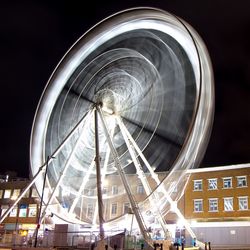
(132, 99)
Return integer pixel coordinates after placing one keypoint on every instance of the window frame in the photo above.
(243, 197)
(23, 211)
(126, 205)
(111, 209)
(242, 176)
(14, 212)
(194, 207)
(16, 193)
(32, 208)
(114, 190)
(194, 185)
(7, 191)
(1, 193)
(90, 210)
(228, 198)
(231, 181)
(208, 183)
(140, 189)
(34, 193)
(209, 205)
(4, 208)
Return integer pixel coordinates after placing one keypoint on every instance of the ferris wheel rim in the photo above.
(48, 94)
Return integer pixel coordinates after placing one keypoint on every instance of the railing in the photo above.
(116, 240)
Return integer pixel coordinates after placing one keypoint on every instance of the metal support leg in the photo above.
(124, 180)
(98, 179)
(153, 198)
(65, 168)
(156, 178)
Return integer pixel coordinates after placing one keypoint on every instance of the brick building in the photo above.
(21, 221)
(215, 203)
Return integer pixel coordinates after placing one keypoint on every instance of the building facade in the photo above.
(217, 204)
(21, 222)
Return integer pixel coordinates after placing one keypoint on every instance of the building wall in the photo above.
(186, 204)
(220, 193)
(24, 215)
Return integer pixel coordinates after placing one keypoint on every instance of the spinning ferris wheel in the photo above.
(133, 96)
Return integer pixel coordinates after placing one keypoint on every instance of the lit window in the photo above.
(227, 182)
(90, 210)
(89, 192)
(114, 190)
(23, 210)
(241, 181)
(16, 193)
(104, 190)
(113, 209)
(243, 203)
(13, 212)
(34, 193)
(228, 204)
(198, 205)
(7, 193)
(197, 185)
(32, 210)
(27, 194)
(213, 205)
(4, 208)
(1, 194)
(126, 207)
(140, 189)
(212, 184)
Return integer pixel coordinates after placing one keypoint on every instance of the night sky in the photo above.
(36, 34)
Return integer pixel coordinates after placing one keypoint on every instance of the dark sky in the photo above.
(36, 34)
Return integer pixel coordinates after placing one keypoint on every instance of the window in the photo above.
(198, 205)
(23, 210)
(213, 205)
(228, 204)
(13, 212)
(104, 190)
(32, 210)
(88, 192)
(16, 193)
(114, 209)
(91, 192)
(114, 190)
(34, 193)
(4, 208)
(241, 181)
(126, 207)
(90, 211)
(7, 193)
(1, 194)
(197, 185)
(140, 189)
(243, 203)
(27, 194)
(227, 182)
(212, 184)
